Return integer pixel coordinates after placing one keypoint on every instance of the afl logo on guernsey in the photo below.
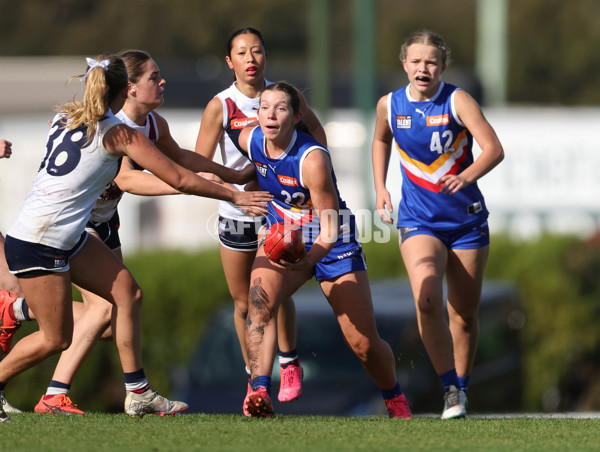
(403, 121)
(287, 180)
(439, 120)
(240, 123)
(261, 168)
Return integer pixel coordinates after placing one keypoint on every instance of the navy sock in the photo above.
(448, 379)
(2, 385)
(25, 308)
(388, 394)
(261, 381)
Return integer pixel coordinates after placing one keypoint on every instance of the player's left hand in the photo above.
(451, 183)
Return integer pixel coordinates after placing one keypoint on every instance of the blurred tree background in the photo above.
(552, 44)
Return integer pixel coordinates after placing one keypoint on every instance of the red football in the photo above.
(284, 242)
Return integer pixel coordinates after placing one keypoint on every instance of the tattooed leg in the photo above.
(261, 329)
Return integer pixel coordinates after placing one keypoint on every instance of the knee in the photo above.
(429, 305)
(103, 310)
(136, 296)
(52, 346)
(241, 307)
(467, 321)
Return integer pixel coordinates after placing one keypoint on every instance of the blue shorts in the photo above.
(339, 261)
(239, 235)
(26, 259)
(471, 237)
(108, 231)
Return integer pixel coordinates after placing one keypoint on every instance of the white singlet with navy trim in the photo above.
(106, 205)
(67, 185)
(238, 111)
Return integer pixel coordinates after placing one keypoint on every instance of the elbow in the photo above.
(180, 183)
(500, 156)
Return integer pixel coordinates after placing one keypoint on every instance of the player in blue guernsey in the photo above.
(297, 171)
(442, 216)
(223, 120)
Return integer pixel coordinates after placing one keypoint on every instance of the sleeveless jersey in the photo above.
(107, 202)
(432, 142)
(282, 177)
(68, 182)
(238, 111)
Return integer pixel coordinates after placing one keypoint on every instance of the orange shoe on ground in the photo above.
(56, 404)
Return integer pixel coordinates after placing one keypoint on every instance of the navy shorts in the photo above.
(26, 259)
(108, 231)
(239, 235)
(471, 237)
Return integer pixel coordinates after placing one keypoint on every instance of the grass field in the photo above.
(118, 432)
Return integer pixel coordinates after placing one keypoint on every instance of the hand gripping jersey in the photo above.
(282, 177)
(66, 187)
(107, 202)
(238, 111)
(432, 142)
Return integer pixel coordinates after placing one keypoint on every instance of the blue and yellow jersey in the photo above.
(432, 141)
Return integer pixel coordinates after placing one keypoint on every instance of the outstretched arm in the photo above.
(138, 182)
(193, 161)
(124, 141)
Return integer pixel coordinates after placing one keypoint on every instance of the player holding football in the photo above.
(297, 170)
(222, 121)
(442, 217)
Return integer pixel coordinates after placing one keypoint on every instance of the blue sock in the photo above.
(464, 382)
(388, 394)
(449, 379)
(261, 381)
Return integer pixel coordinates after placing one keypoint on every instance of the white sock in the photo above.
(284, 360)
(18, 309)
(55, 391)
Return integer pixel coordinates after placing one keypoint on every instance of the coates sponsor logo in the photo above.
(240, 123)
(287, 180)
(439, 120)
(403, 121)
(261, 168)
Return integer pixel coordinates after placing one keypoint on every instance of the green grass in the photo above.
(117, 432)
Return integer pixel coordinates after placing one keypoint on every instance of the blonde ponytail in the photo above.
(105, 78)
